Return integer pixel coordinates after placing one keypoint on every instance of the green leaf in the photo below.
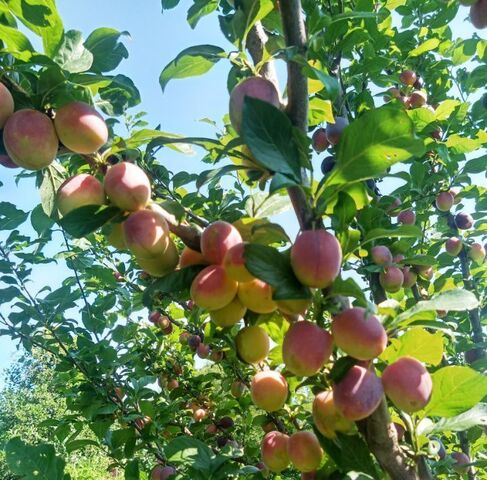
(455, 390)
(85, 220)
(106, 49)
(216, 173)
(349, 288)
(407, 231)
(119, 95)
(51, 181)
(189, 451)
(40, 221)
(72, 54)
(372, 143)
(200, 9)
(41, 17)
(268, 133)
(10, 216)
(168, 4)
(451, 300)
(426, 46)
(191, 62)
(418, 343)
(34, 462)
(273, 267)
(473, 417)
(176, 281)
(15, 40)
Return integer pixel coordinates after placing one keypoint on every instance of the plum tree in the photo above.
(30, 139)
(162, 263)
(408, 77)
(358, 393)
(461, 462)
(274, 452)
(161, 472)
(418, 98)
(381, 255)
(306, 348)
(191, 257)
(78, 191)
(6, 104)
(238, 388)
(326, 417)
(80, 127)
(293, 307)
(327, 165)
(408, 384)
(256, 295)
(316, 257)
(212, 288)
(234, 263)
(217, 239)
(255, 87)
(269, 390)
(391, 279)
(409, 277)
(359, 333)
(127, 186)
(252, 344)
(304, 451)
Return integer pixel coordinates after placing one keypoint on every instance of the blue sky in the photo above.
(155, 40)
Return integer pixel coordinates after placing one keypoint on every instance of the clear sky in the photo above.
(155, 40)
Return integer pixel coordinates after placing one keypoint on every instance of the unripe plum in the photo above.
(306, 348)
(161, 264)
(477, 253)
(463, 221)
(410, 277)
(334, 130)
(146, 233)
(407, 217)
(162, 473)
(78, 191)
(80, 127)
(194, 341)
(7, 162)
(457, 198)
(391, 279)
(200, 414)
(453, 246)
(229, 315)
(316, 257)
(398, 258)
(255, 87)
(293, 307)
(127, 186)
(256, 295)
(273, 451)
(6, 104)
(407, 384)
(392, 93)
(269, 390)
(418, 98)
(114, 235)
(319, 141)
(172, 384)
(408, 77)
(304, 451)
(381, 255)
(478, 14)
(252, 344)
(359, 333)
(425, 272)
(327, 419)
(191, 257)
(444, 201)
(358, 393)
(217, 239)
(30, 139)
(212, 288)
(461, 462)
(234, 263)
(392, 208)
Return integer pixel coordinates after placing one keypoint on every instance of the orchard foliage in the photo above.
(193, 335)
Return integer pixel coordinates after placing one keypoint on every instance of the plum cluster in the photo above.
(31, 138)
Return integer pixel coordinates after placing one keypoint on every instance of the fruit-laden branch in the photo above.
(377, 429)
